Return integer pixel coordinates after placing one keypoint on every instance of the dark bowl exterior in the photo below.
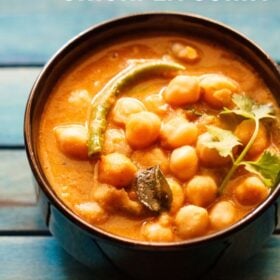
(119, 258)
(111, 260)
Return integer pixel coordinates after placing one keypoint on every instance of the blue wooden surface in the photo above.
(33, 30)
(15, 84)
(30, 32)
(41, 258)
(38, 258)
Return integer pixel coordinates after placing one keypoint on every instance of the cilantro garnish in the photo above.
(267, 167)
(222, 140)
(268, 164)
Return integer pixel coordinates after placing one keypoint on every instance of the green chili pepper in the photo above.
(104, 100)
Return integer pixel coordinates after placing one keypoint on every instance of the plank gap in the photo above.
(21, 65)
(12, 147)
(33, 233)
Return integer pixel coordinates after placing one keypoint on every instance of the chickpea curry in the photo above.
(161, 139)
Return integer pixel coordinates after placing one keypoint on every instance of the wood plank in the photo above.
(34, 30)
(15, 84)
(18, 210)
(21, 220)
(16, 187)
(42, 258)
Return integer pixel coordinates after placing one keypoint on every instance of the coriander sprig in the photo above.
(268, 165)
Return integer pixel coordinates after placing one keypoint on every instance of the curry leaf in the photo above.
(152, 189)
(267, 167)
(222, 140)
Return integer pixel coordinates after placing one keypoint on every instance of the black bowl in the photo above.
(127, 259)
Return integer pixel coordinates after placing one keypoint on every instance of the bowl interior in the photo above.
(142, 24)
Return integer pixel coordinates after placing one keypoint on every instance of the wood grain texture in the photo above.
(39, 258)
(16, 186)
(33, 30)
(18, 210)
(42, 258)
(21, 220)
(15, 84)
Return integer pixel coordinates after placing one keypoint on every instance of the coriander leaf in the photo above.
(243, 102)
(262, 111)
(222, 140)
(243, 107)
(248, 108)
(267, 167)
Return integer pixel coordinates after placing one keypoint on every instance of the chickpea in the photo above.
(101, 192)
(124, 107)
(218, 89)
(177, 194)
(79, 98)
(165, 220)
(184, 162)
(72, 141)
(120, 200)
(115, 141)
(191, 221)
(205, 120)
(222, 215)
(116, 169)
(142, 129)
(113, 200)
(251, 191)
(151, 157)
(156, 104)
(91, 212)
(207, 156)
(182, 90)
(201, 190)
(154, 231)
(185, 52)
(178, 132)
(244, 132)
